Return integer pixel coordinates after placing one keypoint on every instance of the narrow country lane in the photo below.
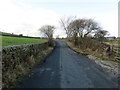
(64, 68)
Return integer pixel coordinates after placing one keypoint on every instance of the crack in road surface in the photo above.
(66, 69)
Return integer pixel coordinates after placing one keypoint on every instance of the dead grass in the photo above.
(114, 44)
(31, 60)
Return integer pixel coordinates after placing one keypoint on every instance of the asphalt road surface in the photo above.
(64, 68)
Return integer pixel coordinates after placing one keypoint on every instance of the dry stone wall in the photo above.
(16, 60)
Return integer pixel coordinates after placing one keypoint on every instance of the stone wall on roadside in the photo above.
(18, 60)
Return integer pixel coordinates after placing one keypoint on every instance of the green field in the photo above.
(114, 42)
(8, 41)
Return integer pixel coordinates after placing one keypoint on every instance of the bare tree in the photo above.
(82, 28)
(64, 22)
(90, 26)
(74, 28)
(77, 26)
(100, 35)
(48, 31)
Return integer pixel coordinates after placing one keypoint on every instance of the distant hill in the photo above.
(15, 35)
(5, 33)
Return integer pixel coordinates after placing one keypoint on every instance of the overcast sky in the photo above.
(27, 16)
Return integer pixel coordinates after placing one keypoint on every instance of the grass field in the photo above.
(8, 41)
(113, 42)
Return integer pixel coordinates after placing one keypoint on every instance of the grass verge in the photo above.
(8, 41)
(94, 55)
